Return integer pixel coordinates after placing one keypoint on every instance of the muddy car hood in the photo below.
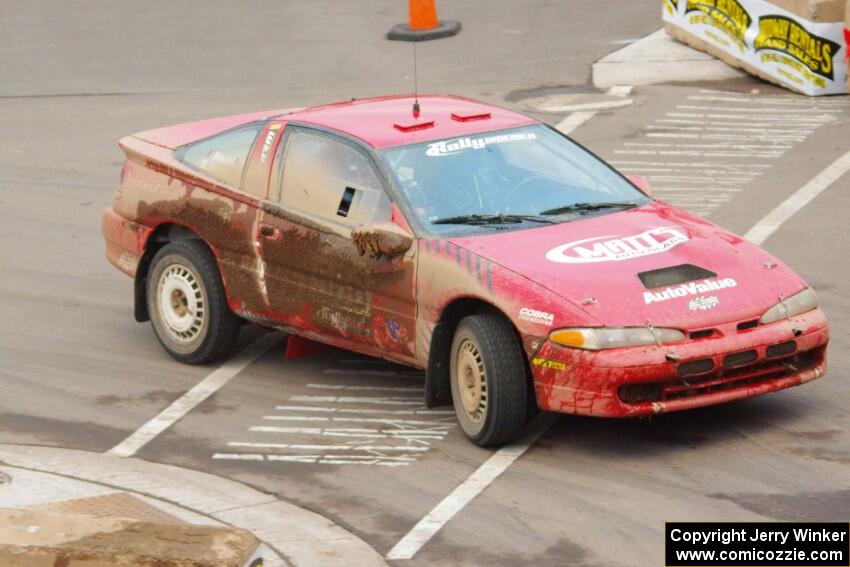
(597, 263)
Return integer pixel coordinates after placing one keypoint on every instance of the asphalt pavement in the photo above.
(78, 373)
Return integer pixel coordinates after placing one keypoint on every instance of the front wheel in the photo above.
(187, 303)
(488, 380)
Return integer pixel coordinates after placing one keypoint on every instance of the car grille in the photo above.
(700, 377)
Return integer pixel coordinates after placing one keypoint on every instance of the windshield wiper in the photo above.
(492, 219)
(584, 207)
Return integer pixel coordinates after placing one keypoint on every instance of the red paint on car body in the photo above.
(581, 274)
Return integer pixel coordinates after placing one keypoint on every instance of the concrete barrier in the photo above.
(32, 538)
(799, 44)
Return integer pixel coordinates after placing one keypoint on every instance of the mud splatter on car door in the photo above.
(315, 276)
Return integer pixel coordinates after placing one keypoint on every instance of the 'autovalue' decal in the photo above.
(616, 248)
(692, 288)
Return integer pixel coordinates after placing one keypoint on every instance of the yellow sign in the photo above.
(727, 15)
(553, 364)
(779, 33)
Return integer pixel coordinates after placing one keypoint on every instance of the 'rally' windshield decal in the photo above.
(615, 249)
(449, 147)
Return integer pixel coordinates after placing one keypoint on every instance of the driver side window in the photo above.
(330, 179)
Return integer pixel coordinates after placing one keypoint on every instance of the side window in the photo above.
(222, 157)
(330, 179)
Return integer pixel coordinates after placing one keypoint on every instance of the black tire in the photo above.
(488, 342)
(195, 325)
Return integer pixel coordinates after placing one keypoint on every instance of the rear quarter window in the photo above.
(222, 157)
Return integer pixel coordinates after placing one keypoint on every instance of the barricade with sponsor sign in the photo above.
(799, 44)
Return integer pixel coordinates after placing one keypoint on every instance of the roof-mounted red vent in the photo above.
(413, 126)
(471, 117)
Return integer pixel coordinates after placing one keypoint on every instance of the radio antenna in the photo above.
(416, 107)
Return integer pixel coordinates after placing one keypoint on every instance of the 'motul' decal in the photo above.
(615, 248)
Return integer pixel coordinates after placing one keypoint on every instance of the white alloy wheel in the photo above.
(472, 381)
(181, 303)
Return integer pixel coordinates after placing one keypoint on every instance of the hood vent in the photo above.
(673, 275)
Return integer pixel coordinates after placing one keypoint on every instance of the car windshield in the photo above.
(508, 179)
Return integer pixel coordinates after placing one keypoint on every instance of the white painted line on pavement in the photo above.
(393, 401)
(719, 146)
(385, 421)
(761, 125)
(580, 116)
(775, 111)
(709, 128)
(394, 373)
(436, 431)
(573, 121)
(307, 458)
(492, 468)
(813, 118)
(590, 106)
(366, 388)
(775, 218)
(366, 411)
(200, 392)
(318, 459)
(331, 447)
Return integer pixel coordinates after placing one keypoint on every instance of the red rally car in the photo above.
(446, 234)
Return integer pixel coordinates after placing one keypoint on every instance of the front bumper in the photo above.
(736, 361)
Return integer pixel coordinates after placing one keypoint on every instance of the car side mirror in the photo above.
(642, 183)
(381, 240)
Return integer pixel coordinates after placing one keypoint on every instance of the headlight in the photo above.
(602, 338)
(798, 303)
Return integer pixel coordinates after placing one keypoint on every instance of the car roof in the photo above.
(389, 121)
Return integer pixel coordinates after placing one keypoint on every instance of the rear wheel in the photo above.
(488, 380)
(187, 303)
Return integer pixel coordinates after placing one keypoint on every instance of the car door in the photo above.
(323, 186)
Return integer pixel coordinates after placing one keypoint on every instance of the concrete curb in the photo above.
(658, 58)
(30, 538)
(303, 537)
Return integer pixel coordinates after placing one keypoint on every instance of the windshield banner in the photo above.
(449, 147)
(766, 40)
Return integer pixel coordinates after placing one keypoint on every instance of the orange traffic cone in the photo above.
(423, 15)
(423, 24)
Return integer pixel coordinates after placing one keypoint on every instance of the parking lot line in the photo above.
(574, 120)
(492, 468)
(392, 401)
(366, 411)
(327, 447)
(775, 218)
(318, 459)
(386, 421)
(200, 392)
(415, 389)
(437, 431)
(369, 372)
